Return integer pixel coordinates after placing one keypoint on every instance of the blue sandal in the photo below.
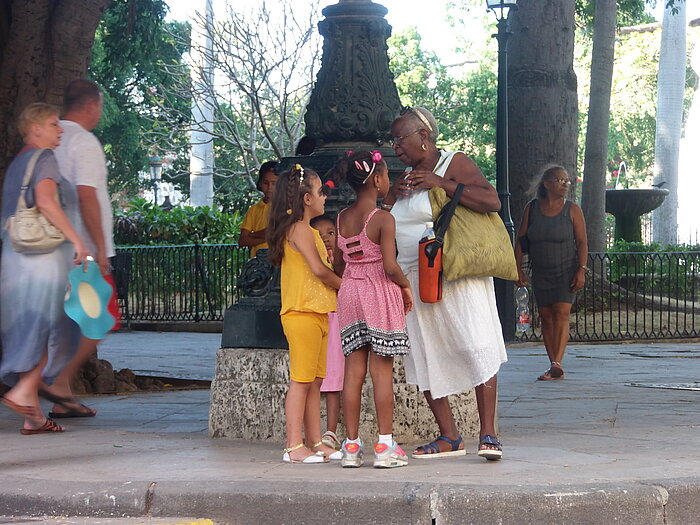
(490, 453)
(432, 450)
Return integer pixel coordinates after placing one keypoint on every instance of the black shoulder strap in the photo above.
(532, 203)
(443, 220)
(567, 208)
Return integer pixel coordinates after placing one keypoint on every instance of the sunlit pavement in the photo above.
(615, 441)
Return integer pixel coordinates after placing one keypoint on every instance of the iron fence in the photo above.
(626, 296)
(194, 282)
(634, 296)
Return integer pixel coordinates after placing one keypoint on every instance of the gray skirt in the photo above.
(32, 320)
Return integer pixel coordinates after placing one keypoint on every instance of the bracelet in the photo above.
(583, 267)
(387, 207)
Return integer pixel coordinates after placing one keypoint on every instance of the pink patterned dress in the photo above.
(370, 307)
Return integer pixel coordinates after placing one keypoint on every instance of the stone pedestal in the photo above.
(250, 384)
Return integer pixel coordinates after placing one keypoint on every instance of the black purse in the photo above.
(525, 240)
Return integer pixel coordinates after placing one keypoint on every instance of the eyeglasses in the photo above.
(563, 182)
(395, 141)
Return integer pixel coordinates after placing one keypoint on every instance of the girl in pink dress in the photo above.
(373, 300)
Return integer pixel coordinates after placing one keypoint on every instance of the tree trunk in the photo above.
(669, 121)
(48, 44)
(542, 101)
(596, 155)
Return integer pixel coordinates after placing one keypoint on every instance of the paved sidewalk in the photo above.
(592, 448)
(184, 355)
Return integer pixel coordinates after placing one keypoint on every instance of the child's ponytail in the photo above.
(286, 208)
(356, 168)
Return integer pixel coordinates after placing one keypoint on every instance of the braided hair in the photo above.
(286, 208)
(357, 168)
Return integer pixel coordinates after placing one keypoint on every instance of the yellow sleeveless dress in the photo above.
(306, 302)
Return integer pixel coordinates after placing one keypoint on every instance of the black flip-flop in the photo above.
(69, 403)
(85, 412)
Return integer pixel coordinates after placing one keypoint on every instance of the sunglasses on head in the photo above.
(418, 113)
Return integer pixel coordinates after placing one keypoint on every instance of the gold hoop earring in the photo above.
(423, 147)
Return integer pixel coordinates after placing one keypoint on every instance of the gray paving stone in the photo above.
(588, 449)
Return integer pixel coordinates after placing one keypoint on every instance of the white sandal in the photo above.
(318, 457)
(337, 455)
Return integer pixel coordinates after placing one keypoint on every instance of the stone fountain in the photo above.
(352, 106)
(628, 206)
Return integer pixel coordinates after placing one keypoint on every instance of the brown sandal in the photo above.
(547, 376)
(22, 410)
(48, 427)
(556, 371)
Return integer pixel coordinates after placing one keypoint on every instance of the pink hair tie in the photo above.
(330, 184)
(349, 153)
(376, 157)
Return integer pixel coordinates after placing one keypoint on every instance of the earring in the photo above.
(423, 147)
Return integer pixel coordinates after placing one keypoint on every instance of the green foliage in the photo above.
(131, 44)
(629, 12)
(464, 107)
(632, 127)
(623, 246)
(655, 269)
(236, 170)
(633, 103)
(265, 57)
(143, 223)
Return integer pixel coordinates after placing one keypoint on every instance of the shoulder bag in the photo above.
(29, 231)
(475, 244)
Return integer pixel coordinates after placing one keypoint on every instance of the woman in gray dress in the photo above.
(554, 231)
(38, 338)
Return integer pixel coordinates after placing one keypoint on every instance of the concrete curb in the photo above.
(33, 497)
(667, 502)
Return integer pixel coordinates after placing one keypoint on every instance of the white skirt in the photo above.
(457, 343)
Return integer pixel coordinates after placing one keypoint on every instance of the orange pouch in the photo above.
(430, 253)
(430, 271)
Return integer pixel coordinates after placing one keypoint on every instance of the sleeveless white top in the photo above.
(411, 214)
(457, 343)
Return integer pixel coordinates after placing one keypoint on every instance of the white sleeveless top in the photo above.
(411, 214)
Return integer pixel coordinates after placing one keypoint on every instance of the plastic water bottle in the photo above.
(522, 310)
(428, 233)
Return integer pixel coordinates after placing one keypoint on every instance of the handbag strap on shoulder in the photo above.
(28, 172)
(443, 220)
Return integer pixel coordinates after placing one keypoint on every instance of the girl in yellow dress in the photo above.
(308, 287)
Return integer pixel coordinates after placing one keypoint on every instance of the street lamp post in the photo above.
(156, 165)
(505, 299)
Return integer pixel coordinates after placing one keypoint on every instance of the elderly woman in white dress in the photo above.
(457, 343)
